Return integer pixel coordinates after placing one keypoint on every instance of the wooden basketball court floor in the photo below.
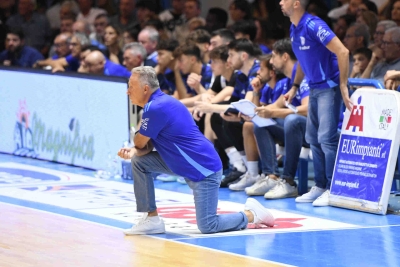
(58, 215)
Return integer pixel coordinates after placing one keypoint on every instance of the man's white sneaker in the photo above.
(281, 190)
(323, 200)
(146, 226)
(309, 197)
(261, 214)
(262, 186)
(245, 181)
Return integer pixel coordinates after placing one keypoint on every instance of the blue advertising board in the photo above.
(367, 152)
(77, 120)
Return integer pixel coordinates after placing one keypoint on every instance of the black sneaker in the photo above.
(230, 178)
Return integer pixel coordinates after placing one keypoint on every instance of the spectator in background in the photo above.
(100, 24)
(216, 19)
(342, 24)
(189, 63)
(220, 37)
(68, 8)
(17, 53)
(357, 36)
(35, 26)
(96, 63)
(174, 16)
(361, 58)
(381, 27)
(88, 13)
(370, 19)
(70, 62)
(377, 67)
(191, 11)
(201, 38)
(353, 6)
(126, 19)
(245, 29)
(7, 9)
(61, 46)
(108, 6)
(149, 38)
(166, 64)
(112, 40)
(134, 55)
(81, 26)
(159, 26)
(145, 10)
(67, 23)
(395, 12)
(196, 23)
(63, 8)
(367, 5)
(85, 51)
(240, 10)
(129, 36)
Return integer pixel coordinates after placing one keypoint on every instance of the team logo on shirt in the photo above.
(144, 123)
(303, 42)
(322, 33)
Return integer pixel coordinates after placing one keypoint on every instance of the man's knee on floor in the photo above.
(207, 228)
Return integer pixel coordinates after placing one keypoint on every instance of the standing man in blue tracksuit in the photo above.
(325, 61)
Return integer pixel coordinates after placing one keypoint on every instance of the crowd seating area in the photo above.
(192, 56)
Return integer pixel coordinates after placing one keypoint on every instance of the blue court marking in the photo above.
(375, 243)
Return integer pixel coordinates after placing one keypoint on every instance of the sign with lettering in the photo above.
(367, 152)
(73, 120)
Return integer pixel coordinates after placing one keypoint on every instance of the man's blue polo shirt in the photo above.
(113, 69)
(243, 82)
(309, 40)
(206, 75)
(177, 138)
(270, 95)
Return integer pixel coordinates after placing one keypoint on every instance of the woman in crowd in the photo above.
(112, 40)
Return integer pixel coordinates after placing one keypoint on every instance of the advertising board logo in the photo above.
(356, 117)
(385, 119)
(32, 136)
(23, 145)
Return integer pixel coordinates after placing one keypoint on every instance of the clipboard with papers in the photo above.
(247, 108)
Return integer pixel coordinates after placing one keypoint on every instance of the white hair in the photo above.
(147, 75)
(395, 34)
(136, 49)
(387, 24)
(82, 39)
(153, 33)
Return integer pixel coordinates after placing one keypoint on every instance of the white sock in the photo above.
(244, 159)
(236, 159)
(252, 167)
